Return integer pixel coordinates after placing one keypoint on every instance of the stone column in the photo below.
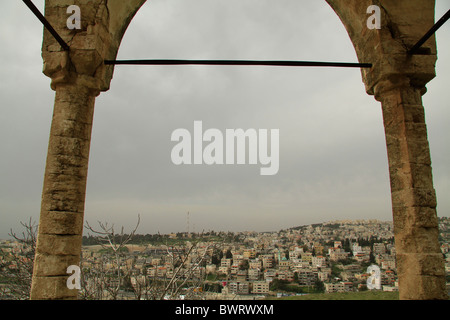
(398, 80)
(63, 196)
(420, 264)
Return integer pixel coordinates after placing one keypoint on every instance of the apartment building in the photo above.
(284, 264)
(319, 261)
(241, 275)
(287, 275)
(267, 261)
(226, 262)
(255, 264)
(270, 274)
(307, 257)
(239, 287)
(379, 248)
(253, 274)
(323, 276)
(388, 264)
(388, 277)
(161, 272)
(249, 253)
(361, 257)
(223, 270)
(306, 277)
(337, 254)
(338, 287)
(234, 268)
(260, 287)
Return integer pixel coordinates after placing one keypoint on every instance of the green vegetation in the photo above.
(179, 238)
(286, 286)
(365, 295)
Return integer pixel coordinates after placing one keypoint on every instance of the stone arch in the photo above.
(397, 80)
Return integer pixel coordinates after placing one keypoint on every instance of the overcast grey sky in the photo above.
(333, 161)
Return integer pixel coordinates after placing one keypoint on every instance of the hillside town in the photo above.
(336, 256)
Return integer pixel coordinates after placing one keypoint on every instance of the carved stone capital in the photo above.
(403, 23)
(103, 24)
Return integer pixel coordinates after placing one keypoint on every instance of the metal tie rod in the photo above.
(46, 24)
(64, 45)
(428, 35)
(240, 63)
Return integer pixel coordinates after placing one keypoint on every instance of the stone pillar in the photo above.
(420, 264)
(398, 81)
(63, 196)
(78, 76)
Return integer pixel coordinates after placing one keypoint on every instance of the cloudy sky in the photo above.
(333, 161)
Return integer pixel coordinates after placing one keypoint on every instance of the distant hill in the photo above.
(339, 223)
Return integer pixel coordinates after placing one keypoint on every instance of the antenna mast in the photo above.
(187, 224)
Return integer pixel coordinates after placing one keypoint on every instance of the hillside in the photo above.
(365, 295)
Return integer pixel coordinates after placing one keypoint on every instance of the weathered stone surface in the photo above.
(78, 76)
(60, 244)
(53, 265)
(413, 195)
(398, 81)
(422, 275)
(61, 223)
(403, 23)
(54, 288)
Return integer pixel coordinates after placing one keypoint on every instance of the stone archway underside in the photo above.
(396, 79)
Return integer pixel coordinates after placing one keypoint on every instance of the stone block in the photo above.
(420, 287)
(70, 146)
(59, 244)
(62, 201)
(52, 288)
(61, 223)
(417, 241)
(414, 197)
(53, 265)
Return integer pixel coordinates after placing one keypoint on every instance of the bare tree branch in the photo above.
(17, 265)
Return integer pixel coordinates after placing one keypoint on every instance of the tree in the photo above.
(319, 286)
(371, 257)
(335, 271)
(244, 265)
(217, 257)
(286, 254)
(346, 246)
(16, 267)
(112, 274)
(109, 240)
